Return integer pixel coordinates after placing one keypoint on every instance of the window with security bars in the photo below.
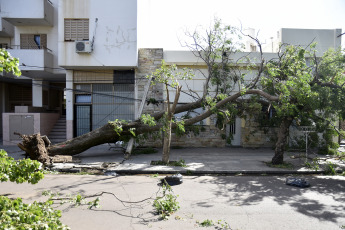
(110, 102)
(76, 29)
(103, 96)
(33, 41)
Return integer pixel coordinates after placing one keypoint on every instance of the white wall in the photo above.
(22, 6)
(325, 39)
(303, 37)
(187, 58)
(115, 43)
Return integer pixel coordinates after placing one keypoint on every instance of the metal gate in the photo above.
(83, 119)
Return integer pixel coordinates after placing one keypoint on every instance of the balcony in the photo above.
(36, 60)
(27, 13)
(6, 28)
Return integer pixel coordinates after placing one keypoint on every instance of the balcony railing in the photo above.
(25, 47)
(33, 58)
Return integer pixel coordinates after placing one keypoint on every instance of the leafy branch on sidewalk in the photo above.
(164, 205)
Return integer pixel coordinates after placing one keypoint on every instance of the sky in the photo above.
(161, 23)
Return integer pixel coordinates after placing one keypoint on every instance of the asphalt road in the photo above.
(244, 202)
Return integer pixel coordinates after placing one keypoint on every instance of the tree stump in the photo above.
(35, 147)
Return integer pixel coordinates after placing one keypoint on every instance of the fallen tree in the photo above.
(35, 146)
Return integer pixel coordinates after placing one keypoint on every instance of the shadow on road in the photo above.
(324, 200)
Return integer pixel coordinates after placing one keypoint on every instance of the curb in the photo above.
(221, 172)
(190, 172)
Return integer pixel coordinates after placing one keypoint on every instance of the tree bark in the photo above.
(283, 133)
(167, 134)
(166, 144)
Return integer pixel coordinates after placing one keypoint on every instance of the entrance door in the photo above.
(82, 119)
(234, 130)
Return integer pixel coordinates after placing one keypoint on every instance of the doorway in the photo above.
(83, 120)
(234, 130)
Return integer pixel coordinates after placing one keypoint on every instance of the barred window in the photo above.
(76, 29)
(33, 41)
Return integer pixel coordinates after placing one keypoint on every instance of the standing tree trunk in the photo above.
(283, 133)
(170, 114)
(167, 142)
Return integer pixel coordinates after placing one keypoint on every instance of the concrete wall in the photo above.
(254, 136)
(115, 33)
(148, 61)
(325, 39)
(42, 123)
(47, 122)
(34, 59)
(208, 136)
(6, 28)
(34, 11)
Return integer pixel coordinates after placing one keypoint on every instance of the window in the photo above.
(76, 29)
(33, 41)
(191, 114)
(124, 77)
(4, 45)
(109, 94)
(37, 39)
(83, 98)
(268, 112)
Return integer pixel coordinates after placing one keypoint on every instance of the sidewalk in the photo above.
(227, 160)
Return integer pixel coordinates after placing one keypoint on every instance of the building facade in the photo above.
(82, 67)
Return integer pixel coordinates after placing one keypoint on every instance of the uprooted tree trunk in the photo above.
(36, 148)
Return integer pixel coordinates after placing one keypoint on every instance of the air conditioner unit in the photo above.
(83, 47)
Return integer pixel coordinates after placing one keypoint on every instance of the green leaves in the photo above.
(8, 63)
(167, 204)
(170, 75)
(148, 120)
(14, 214)
(19, 171)
(290, 78)
(117, 124)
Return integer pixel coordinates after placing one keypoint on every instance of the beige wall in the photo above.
(42, 123)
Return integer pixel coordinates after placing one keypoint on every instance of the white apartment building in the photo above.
(78, 57)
